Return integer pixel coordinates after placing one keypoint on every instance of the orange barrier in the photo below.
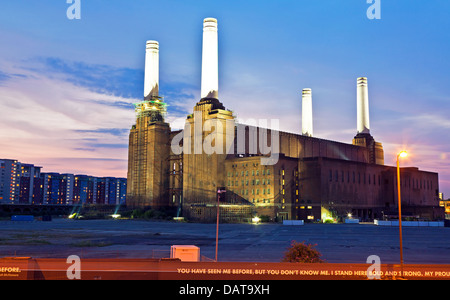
(153, 269)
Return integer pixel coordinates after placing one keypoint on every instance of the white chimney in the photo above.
(210, 60)
(151, 81)
(362, 105)
(307, 115)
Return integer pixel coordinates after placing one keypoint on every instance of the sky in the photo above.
(67, 86)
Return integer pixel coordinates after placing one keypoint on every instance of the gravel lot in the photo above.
(338, 243)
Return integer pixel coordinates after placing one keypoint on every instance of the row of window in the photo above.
(354, 177)
(417, 184)
(341, 176)
(256, 192)
(260, 200)
(246, 173)
(246, 182)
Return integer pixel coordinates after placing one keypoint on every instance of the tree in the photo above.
(302, 253)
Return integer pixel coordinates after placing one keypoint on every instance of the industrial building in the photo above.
(247, 170)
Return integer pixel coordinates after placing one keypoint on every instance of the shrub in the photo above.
(265, 219)
(302, 253)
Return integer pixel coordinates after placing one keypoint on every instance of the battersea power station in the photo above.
(247, 170)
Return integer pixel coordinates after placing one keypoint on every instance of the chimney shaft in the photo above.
(151, 81)
(307, 115)
(210, 60)
(362, 105)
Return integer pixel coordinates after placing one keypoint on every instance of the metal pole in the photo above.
(217, 226)
(400, 214)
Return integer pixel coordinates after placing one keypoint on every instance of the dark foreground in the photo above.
(148, 269)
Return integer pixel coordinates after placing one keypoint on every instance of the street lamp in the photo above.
(402, 154)
(219, 191)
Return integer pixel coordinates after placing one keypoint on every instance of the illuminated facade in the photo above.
(311, 179)
(9, 181)
(22, 183)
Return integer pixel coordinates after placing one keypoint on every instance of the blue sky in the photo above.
(67, 86)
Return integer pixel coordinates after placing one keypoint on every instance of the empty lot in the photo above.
(338, 243)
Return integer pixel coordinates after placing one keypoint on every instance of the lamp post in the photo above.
(400, 155)
(219, 191)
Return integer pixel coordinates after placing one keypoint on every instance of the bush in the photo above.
(302, 253)
(265, 219)
(149, 214)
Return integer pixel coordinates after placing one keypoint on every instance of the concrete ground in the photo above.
(338, 243)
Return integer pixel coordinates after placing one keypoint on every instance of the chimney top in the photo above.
(213, 20)
(210, 23)
(306, 92)
(362, 81)
(152, 45)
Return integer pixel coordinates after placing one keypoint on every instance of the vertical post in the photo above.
(217, 226)
(219, 191)
(400, 214)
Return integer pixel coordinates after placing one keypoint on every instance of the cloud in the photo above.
(50, 112)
